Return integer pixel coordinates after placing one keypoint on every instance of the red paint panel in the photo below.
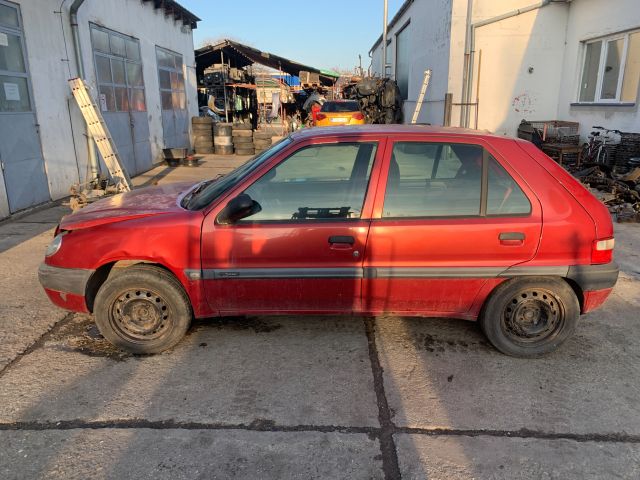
(594, 299)
(68, 301)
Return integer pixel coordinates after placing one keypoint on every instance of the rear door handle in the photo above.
(511, 238)
(348, 239)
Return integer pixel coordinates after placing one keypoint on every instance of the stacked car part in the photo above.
(261, 141)
(202, 134)
(222, 139)
(242, 139)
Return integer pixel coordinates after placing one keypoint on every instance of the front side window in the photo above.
(447, 180)
(318, 182)
(118, 70)
(611, 70)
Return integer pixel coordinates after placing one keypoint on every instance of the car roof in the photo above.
(391, 129)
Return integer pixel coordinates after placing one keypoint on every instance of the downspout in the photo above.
(468, 85)
(384, 39)
(466, 67)
(77, 49)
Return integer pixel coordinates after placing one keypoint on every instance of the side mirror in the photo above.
(238, 208)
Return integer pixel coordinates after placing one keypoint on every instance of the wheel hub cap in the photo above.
(141, 314)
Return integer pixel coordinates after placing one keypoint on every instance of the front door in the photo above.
(303, 251)
(450, 220)
(21, 160)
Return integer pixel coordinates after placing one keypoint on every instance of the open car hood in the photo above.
(144, 202)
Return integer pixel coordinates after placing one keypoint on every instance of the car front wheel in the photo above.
(530, 317)
(142, 309)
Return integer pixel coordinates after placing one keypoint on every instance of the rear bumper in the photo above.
(594, 277)
(65, 287)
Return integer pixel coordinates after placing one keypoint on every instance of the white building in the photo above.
(553, 60)
(137, 57)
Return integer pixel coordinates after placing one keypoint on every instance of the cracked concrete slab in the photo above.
(186, 454)
(443, 374)
(289, 371)
(444, 458)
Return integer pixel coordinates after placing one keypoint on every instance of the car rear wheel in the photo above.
(142, 309)
(530, 317)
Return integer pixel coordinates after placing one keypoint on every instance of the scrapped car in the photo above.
(339, 112)
(370, 220)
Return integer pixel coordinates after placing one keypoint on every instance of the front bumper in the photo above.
(65, 287)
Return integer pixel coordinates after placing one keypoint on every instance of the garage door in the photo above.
(21, 159)
(121, 96)
(175, 119)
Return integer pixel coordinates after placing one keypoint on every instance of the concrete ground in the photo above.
(311, 397)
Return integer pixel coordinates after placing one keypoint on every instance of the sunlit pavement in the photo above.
(313, 397)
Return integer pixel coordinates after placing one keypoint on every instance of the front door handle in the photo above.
(342, 239)
(511, 238)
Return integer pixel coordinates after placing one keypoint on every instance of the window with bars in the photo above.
(611, 69)
(171, 77)
(118, 70)
(14, 79)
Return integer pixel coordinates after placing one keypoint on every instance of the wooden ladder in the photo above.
(100, 132)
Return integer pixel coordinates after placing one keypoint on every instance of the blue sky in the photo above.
(324, 34)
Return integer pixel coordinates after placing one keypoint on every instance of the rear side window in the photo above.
(433, 180)
(504, 196)
(337, 107)
(446, 180)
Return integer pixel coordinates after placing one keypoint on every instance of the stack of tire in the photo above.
(202, 134)
(261, 141)
(243, 139)
(222, 142)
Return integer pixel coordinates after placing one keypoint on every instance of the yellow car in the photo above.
(344, 112)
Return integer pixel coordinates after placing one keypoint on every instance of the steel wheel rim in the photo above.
(140, 315)
(532, 315)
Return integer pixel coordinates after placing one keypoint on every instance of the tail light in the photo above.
(358, 116)
(320, 116)
(602, 250)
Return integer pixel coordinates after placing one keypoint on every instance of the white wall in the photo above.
(51, 64)
(589, 19)
(429, 34)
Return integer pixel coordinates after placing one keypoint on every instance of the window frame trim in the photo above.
(604, 50)
(484, 186)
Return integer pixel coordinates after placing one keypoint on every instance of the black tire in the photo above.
(201, 120)
(204, 150)
(530, 317)
(245, 151)
(262, 135)
(223, 149)
(242, 140)
(242, 133)
(242, 126)
(142, 309)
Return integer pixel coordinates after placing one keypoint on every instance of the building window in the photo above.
(611, 69)
(171, 79)
(118, 71)
(403, 61)
(14, 80)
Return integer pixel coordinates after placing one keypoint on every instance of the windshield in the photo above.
(340, 107)
(204, 194)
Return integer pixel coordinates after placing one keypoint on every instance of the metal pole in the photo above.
(478, 86)
(224, 87)
(384, 39)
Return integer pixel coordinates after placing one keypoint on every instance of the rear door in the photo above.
(449, 218)
(303, 251)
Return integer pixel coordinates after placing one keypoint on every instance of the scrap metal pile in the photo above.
(620, 193)
(379, 99)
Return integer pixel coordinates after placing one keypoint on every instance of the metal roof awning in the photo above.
(240, 56)
(178, 12)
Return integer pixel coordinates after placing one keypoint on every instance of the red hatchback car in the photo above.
(405, 220)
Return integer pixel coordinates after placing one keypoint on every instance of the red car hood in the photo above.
(139, 203)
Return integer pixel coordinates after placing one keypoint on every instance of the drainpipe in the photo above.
(384, 39)
(471, 36)
(77, 49)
